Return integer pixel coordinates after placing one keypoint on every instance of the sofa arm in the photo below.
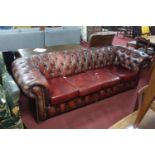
(33, 84)
(27, 76)
(130, 58)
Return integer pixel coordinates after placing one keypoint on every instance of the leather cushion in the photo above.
(61, 90)
(92, 81)
(123, 73)
(106, 78)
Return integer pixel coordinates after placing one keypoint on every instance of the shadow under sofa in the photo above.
(62, 81)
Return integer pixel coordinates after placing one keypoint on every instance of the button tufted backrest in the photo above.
(130, 58)
(71, 62)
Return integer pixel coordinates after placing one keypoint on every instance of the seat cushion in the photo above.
(61, 90)
(106, 78)
(124, 74)
(92, 81)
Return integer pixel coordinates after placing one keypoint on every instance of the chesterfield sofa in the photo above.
(62, 81)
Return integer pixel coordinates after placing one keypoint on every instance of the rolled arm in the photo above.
(33, 84)
(130, 58)
(27, 76)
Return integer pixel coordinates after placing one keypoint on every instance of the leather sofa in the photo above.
(62, 81)
(9, 100)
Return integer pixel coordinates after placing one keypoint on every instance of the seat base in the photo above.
(92, 81)
(124, 74)
(85, 88)
(61, 90)
(81, 101)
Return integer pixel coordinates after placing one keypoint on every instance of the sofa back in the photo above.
(71, 62)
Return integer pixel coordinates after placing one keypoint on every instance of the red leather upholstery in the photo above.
(88, 77)
(92, 81)
(106, 78)
(65, 63)
(123, 73)
(85, 83)
(61, 90)
(56, 109)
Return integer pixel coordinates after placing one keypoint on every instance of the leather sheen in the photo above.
(62, 81)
